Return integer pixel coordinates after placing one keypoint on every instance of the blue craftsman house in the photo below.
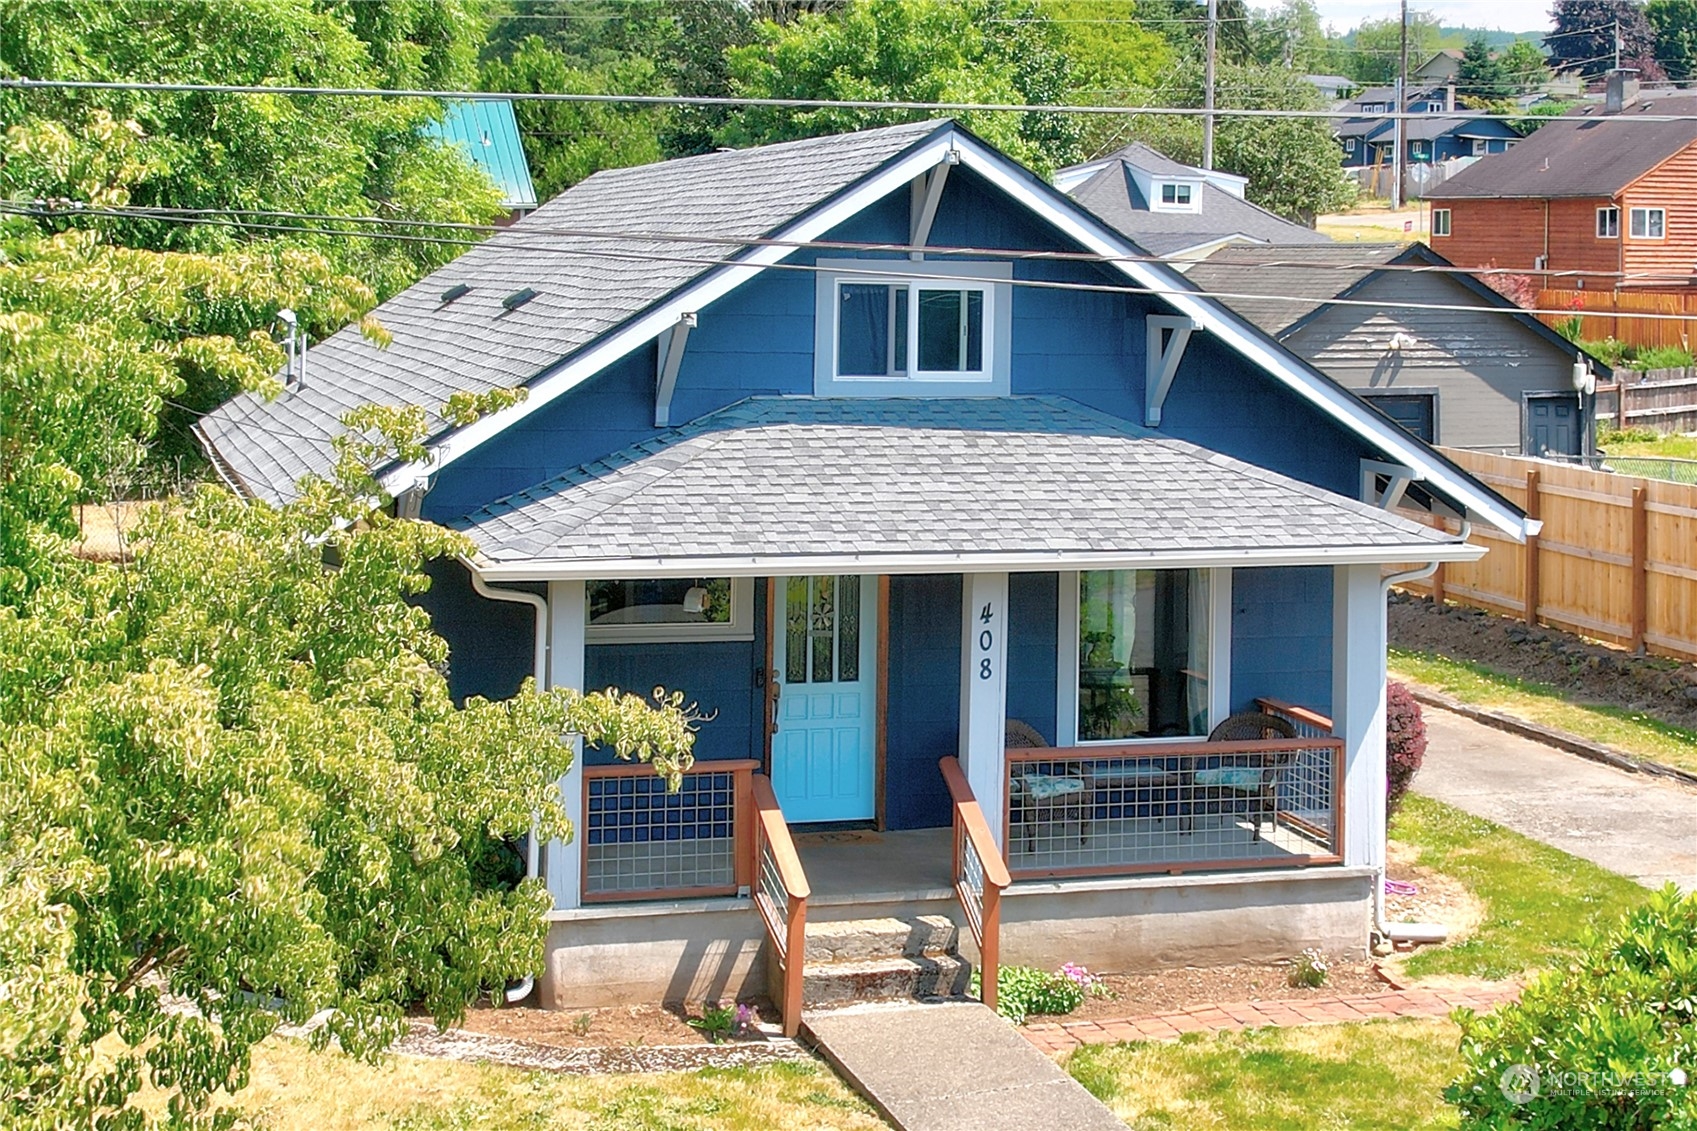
(1038, 600)
(1444, 131)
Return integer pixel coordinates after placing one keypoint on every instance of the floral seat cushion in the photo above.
(1045, 787)
(1230, 777)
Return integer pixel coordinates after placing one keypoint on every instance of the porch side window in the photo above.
(1142, 654)
(665, 609)
(881, 330)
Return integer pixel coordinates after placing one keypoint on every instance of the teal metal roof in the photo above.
(489, 132)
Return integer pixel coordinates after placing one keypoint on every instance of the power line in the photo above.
(911, 271)
(532, 228)
(733, 100)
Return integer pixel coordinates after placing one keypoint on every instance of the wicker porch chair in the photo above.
(1253, 776)
(1053, 798)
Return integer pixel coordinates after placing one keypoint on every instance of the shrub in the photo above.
(1638, 434)
(1606, 1042)
(1309, 969)
(1405, 743)
(1663, 357)
(1024, 990)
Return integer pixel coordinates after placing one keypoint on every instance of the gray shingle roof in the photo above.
(1313, 273)
(787, 477)
(1113, 196)
(1585, 153)
(588, 286)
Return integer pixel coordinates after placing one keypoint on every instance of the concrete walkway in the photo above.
(1640, 826)
(952, 1066)
(1064, 1036)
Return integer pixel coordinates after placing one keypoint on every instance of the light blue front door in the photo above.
(824, 653)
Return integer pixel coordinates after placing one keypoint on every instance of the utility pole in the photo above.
(1617, 43)
(1208, 86)
(1399, 129)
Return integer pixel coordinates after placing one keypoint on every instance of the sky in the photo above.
(1510, 15)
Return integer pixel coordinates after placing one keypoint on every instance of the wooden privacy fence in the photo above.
(1619, 315)
(1616, 559)
(1663, 399)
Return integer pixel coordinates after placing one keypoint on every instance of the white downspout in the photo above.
(533, 850)
(1407, 932)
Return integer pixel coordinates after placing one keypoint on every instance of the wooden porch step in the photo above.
(885, 979)
(853, 940)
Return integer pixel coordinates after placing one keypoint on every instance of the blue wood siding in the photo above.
(924, 698)
(1282, 636)
(723, 677)
(491, 644)
(1033, 625)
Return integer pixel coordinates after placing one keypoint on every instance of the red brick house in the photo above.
(1593, 191)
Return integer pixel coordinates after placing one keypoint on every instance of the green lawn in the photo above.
(1538, 901)
(296, 1087)
(1369, 1076)
(1670, 446)
(1631, 733)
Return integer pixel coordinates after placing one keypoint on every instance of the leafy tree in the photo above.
(1674, 23)
(910, 50)
(1110, 51)
(1374, 50)
(1482, 75)
(321, 155)
(567, 141)
(1290, 35)
(1585, 36)
(1523, 65)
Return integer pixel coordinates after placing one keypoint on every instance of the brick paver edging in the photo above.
(1058, 1037)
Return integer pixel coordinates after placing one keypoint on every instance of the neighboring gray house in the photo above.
(1493, 382)
(1174, 209)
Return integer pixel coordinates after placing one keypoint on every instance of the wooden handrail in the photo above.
(985, 921)
(786, 927)
(1299, 714)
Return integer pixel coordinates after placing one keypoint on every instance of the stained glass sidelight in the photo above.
(848, 628)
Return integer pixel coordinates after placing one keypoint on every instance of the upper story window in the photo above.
(1608, 223)
(1417, 149)
(1175, 196)
(1349, 145)
(897, 327)
(1434, 107)
(1649, 223)
(1440, 221)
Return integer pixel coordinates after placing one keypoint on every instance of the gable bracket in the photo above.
(671, 356)
(1400, 476)
(927, 193)
(1168, 335)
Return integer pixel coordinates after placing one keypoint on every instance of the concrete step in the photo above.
(853, 940)
(884, 979)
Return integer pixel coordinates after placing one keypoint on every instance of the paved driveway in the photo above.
(1640, 826)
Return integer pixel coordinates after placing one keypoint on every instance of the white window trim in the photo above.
(739, 627)
(1066, 663)
(1645, 211)
(1480, 147)
(913, 287)
(1349, 145)
(1441, 227)
(992, 380)
(1612, 211)
(1157, 191)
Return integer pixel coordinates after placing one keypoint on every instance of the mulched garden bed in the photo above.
(1168, 990)
(1592, 673)
(624, 1026)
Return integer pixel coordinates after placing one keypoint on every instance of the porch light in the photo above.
(696, 599)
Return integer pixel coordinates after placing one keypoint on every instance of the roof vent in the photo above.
(519, 298)
(458, 290)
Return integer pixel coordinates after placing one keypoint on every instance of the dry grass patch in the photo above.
(294, 1087)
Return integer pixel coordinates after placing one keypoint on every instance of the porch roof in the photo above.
(775, 484)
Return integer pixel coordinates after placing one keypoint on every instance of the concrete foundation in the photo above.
(1151, 923)
(716, 949)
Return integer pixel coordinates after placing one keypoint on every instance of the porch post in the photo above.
(983, 690)
(566, 613)
(1358, 707)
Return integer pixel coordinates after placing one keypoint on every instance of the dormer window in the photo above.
(1176, 196)
(902, 328)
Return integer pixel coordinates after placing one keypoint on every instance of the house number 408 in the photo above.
(986, 641)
